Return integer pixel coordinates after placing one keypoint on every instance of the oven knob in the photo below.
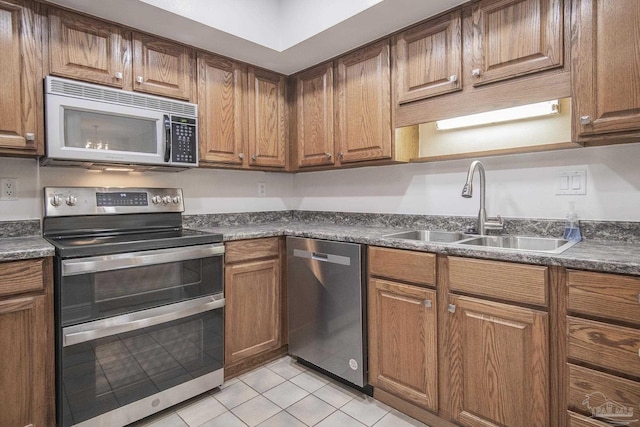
(156, 199)
(166, 200)
(55, 200)
(71, 200)
(176, 199)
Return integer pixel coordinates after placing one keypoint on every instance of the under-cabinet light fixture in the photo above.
(497, 116)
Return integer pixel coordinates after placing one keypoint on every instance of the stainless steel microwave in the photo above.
(95, 127)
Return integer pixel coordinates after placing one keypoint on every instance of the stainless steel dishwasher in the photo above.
(327, 307)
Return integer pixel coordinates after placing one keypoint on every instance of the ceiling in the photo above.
(280, 35)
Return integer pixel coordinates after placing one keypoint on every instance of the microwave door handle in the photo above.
(90, 331)
(167, 138)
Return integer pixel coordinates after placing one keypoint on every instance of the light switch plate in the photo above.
(572, 182)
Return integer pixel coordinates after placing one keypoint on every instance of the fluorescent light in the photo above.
(498, 116)
(117, 169)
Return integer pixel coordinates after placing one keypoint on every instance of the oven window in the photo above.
(94, 296)
(107, 373)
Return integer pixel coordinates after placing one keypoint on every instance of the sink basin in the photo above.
(429, 236)
(537, 244)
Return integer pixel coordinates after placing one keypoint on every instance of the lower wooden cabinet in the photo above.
(253, 311)
(499, 363)
(26, 344)
(402, 341)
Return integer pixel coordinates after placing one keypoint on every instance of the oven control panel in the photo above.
(69, 201)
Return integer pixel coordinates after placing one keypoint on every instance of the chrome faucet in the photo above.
(483, 223)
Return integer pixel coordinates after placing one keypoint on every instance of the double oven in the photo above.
(138, 304)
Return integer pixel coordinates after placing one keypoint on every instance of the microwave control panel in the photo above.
(184, 142)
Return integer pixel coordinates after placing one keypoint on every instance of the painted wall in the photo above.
(522, 186)
(205, 191)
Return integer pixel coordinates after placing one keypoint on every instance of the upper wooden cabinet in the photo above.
(428, 59)
(267, 115)
(516, 37)
(222, 118)
(21, 123)
(89, 49)
(161, 67)
(606, 71)
(314, 117)
(363, 104)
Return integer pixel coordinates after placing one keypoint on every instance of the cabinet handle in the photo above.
(585, 120)
(475, 72)
(241, 155)
(118, 75)
(341, 154)
(453, 78)
(253, 157)
(451, 308)
(328, 155)
(140, 79)
(29, 136)
(428, 303)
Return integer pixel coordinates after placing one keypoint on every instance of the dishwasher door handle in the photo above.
(322, 257)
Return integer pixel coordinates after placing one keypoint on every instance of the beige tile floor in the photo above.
(281, 394)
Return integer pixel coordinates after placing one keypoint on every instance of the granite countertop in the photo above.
(597, 255)
(17, 248)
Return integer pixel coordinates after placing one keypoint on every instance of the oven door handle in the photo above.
(89, 331)
(97, 264)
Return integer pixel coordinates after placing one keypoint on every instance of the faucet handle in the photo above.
(494, 224)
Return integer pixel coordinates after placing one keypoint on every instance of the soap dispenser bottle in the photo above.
(571, 226)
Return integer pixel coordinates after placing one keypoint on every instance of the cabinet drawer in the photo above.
(604, 295)
(21, 276)
(243, 250)
(609, 346)
(577, 420)
(589, 389)
(504, 280)
(408, 266)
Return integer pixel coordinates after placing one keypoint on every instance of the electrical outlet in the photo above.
(262, 189)
(8, 190)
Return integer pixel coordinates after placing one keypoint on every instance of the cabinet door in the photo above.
(516, 37)
(161, 67)
(221, 109)
(499, 364)
(314, 116)
(88, 49)
(429, 59)
(363, 105)
(21, 88)
(23, 352)
(267, 137)
(402, 341)
(606, 67)
(252, 312)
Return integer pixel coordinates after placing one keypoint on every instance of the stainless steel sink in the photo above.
(429, 236)
(536, 244)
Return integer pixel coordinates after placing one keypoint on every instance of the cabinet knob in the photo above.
(475, 72)
(453, 78)
(451, 308)
(341, 154)
(139, 79)
(241, 156)
(254, 157)
(585, 120)
(118, 75)
(328, 155)
(428, 303)
(29, 136)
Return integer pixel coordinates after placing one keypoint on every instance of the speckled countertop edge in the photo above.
(596, 255)
(18, 248)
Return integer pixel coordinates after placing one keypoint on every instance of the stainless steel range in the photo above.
(138, 303)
